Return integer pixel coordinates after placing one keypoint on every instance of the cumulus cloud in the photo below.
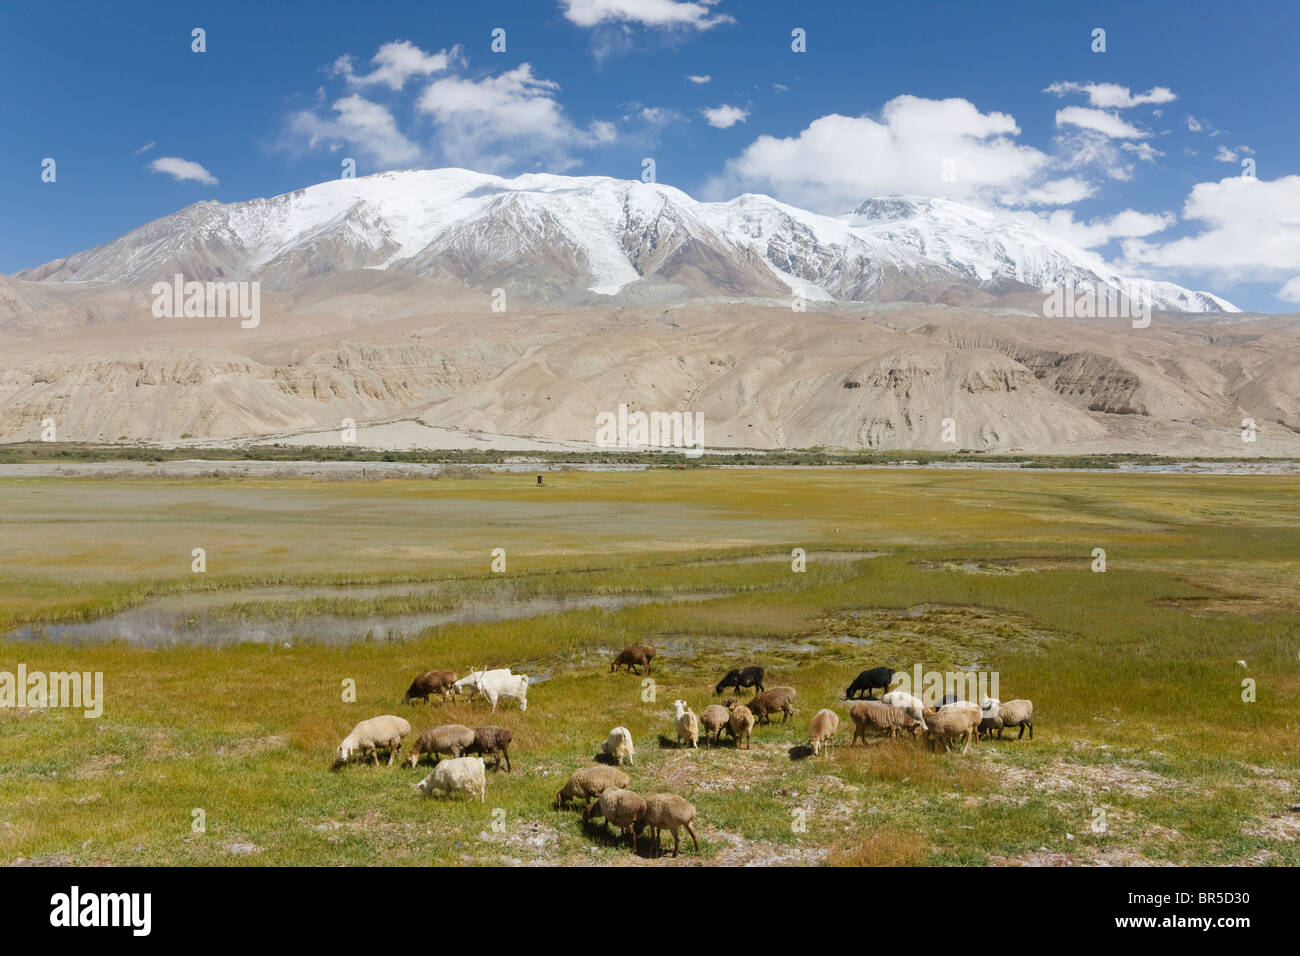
(725, 117)
(1112, 95)
(498, 121)
(182, 169)
(1108, 124)
(1249, 231)
(649, 13)
(1098, 232)
(920, 146)
(1291, 291)
(698, 80)
(365, 127)
(397, 62)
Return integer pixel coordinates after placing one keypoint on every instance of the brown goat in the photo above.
(637, 655)
(432, 682)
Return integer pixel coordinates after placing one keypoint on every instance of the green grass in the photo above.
(1133, 673)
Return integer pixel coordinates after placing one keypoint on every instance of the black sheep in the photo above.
(869, 680)
(751, 676)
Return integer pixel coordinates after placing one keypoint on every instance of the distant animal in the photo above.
(952, 723)
(539, 479)
(371, 736)
(751, 676)
(740, 723)
(618, 745)
(905, 701)
(636, 655)
(777, 700)
(441, 683)
(466, 683)
(457, 775)
(869, 680)
(1014, 713)
(493, 742)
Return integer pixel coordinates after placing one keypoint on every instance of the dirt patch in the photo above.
(248, 746)
(96, 766)
(1088, 778)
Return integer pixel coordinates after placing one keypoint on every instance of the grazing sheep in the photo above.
(771, 701)
(494, 741)
(713, 719)
(1016, 713)
(667, 811)
(637, 655)
(869, 680)
(688, 725)
(450, 739)
(459, 774)
(589, 783)
(370, 736)
(949, 724)
(824, 724)
(905, 701)
(877, 715)
(751, 676)
(619, 745)
(740, 723)
(619, 807)
(496, 686)
(466, 683)
(441, 683)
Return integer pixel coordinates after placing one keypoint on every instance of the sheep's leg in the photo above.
(1031, 728)
(506, 751)
(969, 738)
(692, 833)
(632, 830)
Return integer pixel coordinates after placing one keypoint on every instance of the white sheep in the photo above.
(618, 745)
(496, 686)
(688, 725)
(906, 702)
(369, 736)
(459, 774)
(822, 731)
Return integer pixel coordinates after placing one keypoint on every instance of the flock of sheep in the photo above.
(603, 789)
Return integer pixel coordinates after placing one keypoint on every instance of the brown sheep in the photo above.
(877, 715)
(589, 783)
(667, 811)
(637, 655)
(740, 723)
(432, 682)
(949, 724)
(491, 740)
(713, 719)
(824, 724)
(770, 701)
(450, 739)
(619, 807)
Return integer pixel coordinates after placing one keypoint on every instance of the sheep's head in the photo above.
(342, 755)
(412, 758)
(730, 703)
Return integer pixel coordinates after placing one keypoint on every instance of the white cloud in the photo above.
(698, 80)
(838, 161)
(1250, 232)
(183, 169)
(649, 13)
(503, 120)
(1144, 151)
(1225, 155)
(1291, 291)
(725, 117)
(1112, 95)
(397, 62)
(1127, 224)
(1100, 121)
(368, 128)
(146, 147)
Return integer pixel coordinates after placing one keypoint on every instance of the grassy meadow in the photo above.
(1144, 750)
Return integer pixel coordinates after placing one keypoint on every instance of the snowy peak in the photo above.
(560, 237)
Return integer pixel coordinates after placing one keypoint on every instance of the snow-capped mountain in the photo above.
(565, 238)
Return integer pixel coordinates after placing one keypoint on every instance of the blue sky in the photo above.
(1134, 152)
